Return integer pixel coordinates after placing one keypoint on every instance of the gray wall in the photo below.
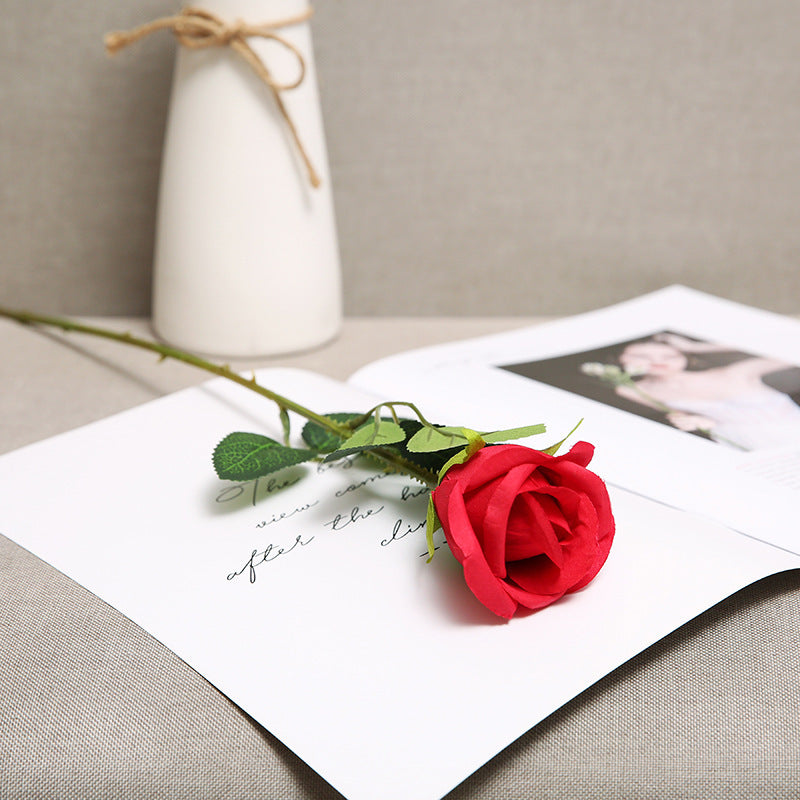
(522, 157)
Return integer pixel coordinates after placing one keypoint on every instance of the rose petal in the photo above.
(578, 551)
(491, 463)
(541, 576)
(606, 528)
(580, 453)
(478, 576)
(537, 537)
(532, 600)
(526, 526)
(461, 536)
(496, 518)
(596, 492)
(487, 588)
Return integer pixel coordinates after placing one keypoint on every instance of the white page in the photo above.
(754, 491)
(382, 672)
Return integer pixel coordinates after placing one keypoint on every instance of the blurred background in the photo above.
(523, 157)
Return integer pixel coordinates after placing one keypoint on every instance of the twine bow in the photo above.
(197, 29)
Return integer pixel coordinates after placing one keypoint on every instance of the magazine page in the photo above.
(307, 597)
(691, 400)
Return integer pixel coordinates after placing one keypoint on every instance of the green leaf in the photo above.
(369, 437)
(429, 440)
(513, 433)
(246, 456)
(376, 434)
(431, 462)
(322, 440)
(432, 524)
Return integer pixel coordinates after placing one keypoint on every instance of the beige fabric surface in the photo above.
(518, 158)
(93, 708)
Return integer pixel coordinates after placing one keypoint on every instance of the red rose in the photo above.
(527, 527)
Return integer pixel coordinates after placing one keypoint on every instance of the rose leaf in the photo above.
(369, 437)
(246, 456)
(324, 441)
(429, 440)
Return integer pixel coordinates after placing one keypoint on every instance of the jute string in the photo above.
(197, 29)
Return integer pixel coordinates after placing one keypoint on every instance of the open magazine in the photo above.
(691, 400)
(310, 603)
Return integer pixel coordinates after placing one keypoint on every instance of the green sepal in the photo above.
(459, 458)
(513, 433)
(368, 437)
(432, 524)
(246, 456)
(430, 440)
(475, 443)
(553, 449)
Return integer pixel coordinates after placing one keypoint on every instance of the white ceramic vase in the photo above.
(246, 256)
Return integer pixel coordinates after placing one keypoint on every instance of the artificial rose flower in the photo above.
(527, 527)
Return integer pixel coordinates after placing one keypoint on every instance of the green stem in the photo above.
(390, 405)
(221, 370)
(165, 351)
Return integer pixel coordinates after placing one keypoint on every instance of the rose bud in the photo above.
(527, 527)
